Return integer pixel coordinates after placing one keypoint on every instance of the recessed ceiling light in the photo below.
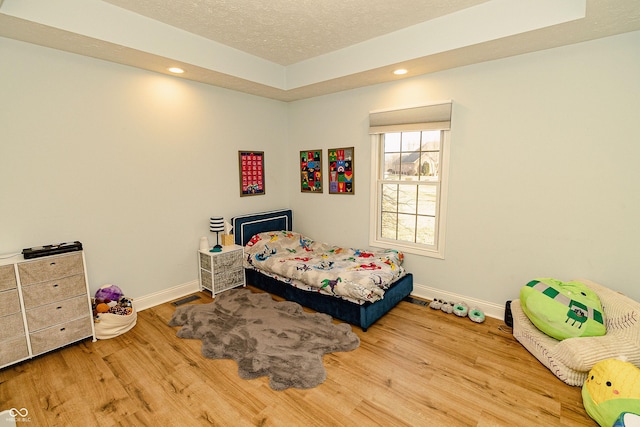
(176, 70)
(400, 72)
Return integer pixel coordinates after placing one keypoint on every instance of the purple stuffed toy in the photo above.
(109, 293)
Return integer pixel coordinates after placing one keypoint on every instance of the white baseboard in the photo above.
(157, 298)
(421, 291)
(490, 309)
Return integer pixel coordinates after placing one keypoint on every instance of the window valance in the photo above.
(428, 117)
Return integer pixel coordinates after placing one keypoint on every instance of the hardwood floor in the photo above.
(415, 367)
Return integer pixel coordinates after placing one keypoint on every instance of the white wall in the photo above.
(129, 162)
(545, 176)
(544, 165)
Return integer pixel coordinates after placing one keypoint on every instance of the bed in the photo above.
(279, 225)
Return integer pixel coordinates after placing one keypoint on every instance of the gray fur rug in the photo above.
(265, 337)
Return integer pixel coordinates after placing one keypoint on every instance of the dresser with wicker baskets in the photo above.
(44, 305)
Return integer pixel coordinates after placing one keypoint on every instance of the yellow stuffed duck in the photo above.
(611, 394)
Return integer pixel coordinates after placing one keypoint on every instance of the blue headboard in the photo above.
(246, 226)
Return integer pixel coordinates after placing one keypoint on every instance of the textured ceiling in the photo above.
(289, 31)
(295, 49)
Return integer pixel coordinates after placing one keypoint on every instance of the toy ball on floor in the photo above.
(102, 308)
(109, 292)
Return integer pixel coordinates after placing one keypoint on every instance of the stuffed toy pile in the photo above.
(113, 313)
(611, 392)
(110, 299)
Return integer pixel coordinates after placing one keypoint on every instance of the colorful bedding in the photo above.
(353, 274)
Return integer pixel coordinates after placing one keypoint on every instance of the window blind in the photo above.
(428, 117)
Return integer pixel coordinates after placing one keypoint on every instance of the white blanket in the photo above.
(354, 274)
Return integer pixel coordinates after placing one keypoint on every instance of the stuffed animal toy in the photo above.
(108, 293)
(563, 309)
(110, 299)
(125, 302)
(611, 393)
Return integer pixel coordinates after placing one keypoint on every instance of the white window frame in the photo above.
(377, 174)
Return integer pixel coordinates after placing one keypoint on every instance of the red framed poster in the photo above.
(251, 173)
(341, 177)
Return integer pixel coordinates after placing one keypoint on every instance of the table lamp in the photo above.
(216, 225)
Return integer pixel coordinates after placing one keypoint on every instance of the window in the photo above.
(410, 161)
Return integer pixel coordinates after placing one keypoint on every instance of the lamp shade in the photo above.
(216, 224)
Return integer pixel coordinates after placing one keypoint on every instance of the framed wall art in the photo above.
(311, 171)
(251, 169)
(341, 176)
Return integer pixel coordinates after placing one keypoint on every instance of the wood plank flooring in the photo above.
(415, 367)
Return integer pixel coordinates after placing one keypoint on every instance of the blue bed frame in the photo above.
(246, 226)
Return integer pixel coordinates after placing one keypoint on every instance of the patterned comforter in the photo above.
(356, 275)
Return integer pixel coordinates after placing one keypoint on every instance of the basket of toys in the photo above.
(113, 313)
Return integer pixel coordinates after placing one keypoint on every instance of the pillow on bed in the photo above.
(563, 309)
(279, 240)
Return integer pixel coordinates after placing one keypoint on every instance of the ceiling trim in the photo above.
(103, 21)
(98, 20)
(491, 30)
(478, 24)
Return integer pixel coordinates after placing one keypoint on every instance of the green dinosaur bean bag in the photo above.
(563, 309)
